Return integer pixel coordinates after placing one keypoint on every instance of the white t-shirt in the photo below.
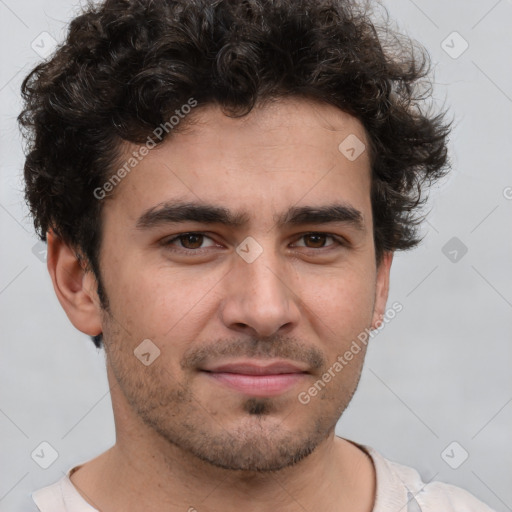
(399, 488)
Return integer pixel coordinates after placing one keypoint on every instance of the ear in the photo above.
(382, 288)
(75, 288)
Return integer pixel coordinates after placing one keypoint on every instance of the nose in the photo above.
(260, 299)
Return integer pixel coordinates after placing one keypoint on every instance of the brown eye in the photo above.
(191, 241)
(317, 240)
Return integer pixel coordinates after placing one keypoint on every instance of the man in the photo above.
(222, 186)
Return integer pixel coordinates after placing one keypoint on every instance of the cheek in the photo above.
(340, 305)
(161, 302)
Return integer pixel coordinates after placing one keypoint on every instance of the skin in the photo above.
(182, 438)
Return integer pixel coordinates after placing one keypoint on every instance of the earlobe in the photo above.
(382, 289)
(74, 286)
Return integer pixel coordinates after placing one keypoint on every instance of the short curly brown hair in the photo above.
(126, 65)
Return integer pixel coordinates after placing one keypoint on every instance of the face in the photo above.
(243, 250)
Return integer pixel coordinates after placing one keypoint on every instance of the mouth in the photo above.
(257, 379)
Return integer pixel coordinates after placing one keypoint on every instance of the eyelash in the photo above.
(168, 243)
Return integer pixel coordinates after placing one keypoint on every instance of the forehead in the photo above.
(277, 125)
(289, 152)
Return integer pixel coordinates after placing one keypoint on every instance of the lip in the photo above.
(257, 379)
(256, 368)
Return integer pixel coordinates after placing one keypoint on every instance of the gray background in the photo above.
(439, 372)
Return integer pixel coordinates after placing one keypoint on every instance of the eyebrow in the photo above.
(178, 212)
